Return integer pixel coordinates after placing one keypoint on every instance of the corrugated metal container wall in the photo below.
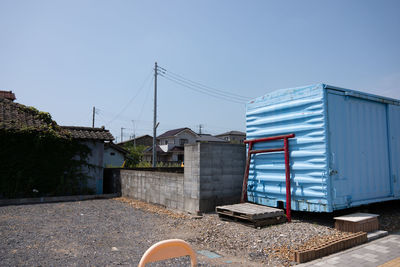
(345, 152)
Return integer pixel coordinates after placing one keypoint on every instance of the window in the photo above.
(183, 141)
(112, 154)
(166, 142)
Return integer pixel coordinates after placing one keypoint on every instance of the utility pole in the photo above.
(122, 134)
(134, 134)
(94, 112)
(155, 117)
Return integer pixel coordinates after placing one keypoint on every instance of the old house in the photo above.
(114, 155)
(40, 158)
(93, 138)
(143, 140)
(233, 137)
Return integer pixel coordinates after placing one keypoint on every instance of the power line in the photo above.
(191, 87)
(206, 90)
(133, 98)
(145, 100)
(205, 87)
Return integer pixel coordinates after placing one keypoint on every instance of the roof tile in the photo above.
(89, 133)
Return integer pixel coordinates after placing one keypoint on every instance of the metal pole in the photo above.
(122, 134)
(94, 111)
(134, 134)
(287, 172)
(155, 118)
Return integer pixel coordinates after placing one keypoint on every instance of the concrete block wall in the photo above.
(191, 183)
(221, 174)
(154, 187)
(213, 176)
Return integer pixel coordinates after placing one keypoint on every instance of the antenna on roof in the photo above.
(200, 127)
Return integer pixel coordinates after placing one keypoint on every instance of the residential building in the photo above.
(93, 138)
(170, 145)
(233, 137)
(114, 155)
(19, 122)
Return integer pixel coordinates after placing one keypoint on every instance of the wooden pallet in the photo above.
(251, 214)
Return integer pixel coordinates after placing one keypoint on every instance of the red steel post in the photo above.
(287, 166)
(272, 138)
(287, 172)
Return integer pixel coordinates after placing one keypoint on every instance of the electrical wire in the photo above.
(199, 90)
(131, 100)
(145, 100)
(208, 91)
(201, 86)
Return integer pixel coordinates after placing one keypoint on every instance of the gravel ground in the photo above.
(87, 233)
(118, 232)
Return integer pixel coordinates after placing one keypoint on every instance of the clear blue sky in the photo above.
(65, 57)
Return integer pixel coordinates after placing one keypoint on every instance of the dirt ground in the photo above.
(118, 232)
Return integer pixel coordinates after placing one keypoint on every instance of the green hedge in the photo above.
(41, 163)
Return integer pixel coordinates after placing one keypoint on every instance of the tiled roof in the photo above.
(174, 132)
(14, 116)
(210, 138)
(7, 95)
(116, 147)
(137, 138)
(232, 133)
(89, 133)
(177, 148)
(150, 150)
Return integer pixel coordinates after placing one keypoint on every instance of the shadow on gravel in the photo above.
(389, 215)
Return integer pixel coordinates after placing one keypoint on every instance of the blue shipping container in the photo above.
(346, 151)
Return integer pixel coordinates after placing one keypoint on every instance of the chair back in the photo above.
(168, 249)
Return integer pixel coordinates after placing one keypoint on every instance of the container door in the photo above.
(359, 151)
(394, 146)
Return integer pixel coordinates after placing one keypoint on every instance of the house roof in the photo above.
(116, 147)
(177, 148)
(150, 150)
(7, 95)
(15, 116)
(175, 132)
(137, 138)
(89, 133)
(210, 138)
(232, 133)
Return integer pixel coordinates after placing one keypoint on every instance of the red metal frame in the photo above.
(285, 149)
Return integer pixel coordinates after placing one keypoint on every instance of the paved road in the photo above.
(383, 252)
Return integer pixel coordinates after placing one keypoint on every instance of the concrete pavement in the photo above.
(383, 252)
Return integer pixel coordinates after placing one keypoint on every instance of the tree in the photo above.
(135, 155)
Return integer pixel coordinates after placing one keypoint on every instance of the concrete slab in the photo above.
(356, 217)
(376, 234)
